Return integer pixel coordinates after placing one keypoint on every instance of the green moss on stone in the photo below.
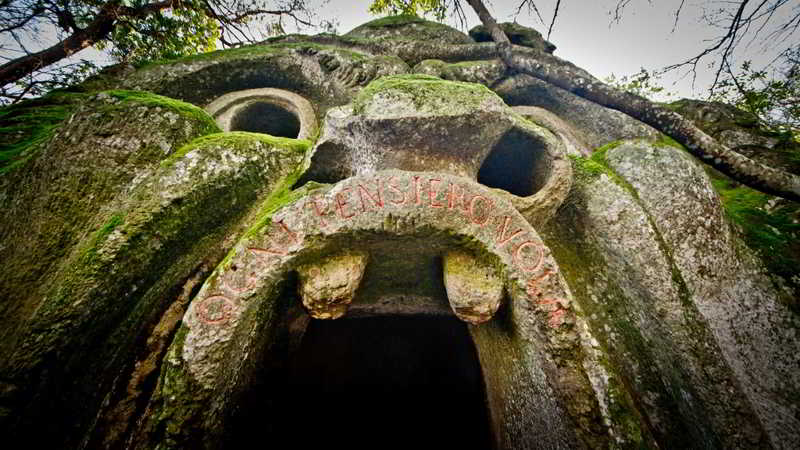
(587, 167)
(666, 141)
(25, 126)
(187, 110)
(253, 51)
(100, 237)
(237, 139)
(247, 51)
(395, 21)
(770, 226)
(425, 89)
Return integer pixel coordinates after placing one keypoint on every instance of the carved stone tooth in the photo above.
(474, 289)
(327, 287)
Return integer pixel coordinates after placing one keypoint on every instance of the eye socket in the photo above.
(268, 110)
(519, 164)
(268, 118)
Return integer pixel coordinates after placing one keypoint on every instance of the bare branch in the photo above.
(553, 22)
(531, 6)
(678, 15)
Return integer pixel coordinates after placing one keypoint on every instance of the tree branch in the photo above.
(549, 68)
(98, 29)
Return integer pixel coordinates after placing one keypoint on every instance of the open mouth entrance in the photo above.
(375, 382)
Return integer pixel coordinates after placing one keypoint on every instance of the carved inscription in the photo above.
(500, 227)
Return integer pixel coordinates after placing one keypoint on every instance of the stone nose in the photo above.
(411, 122)
(421, 123)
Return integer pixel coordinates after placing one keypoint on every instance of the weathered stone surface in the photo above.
(628, 312)
(755, 331)
(408, 28)
(483, 72)
(623, 279)
(212, 355)
(575, 143)
(323, 74)
(418, 122)
(598, 124)
(118, 280)
(327, 287)
(412, 122)
(473, 288)
(110, 143)
(517, 34)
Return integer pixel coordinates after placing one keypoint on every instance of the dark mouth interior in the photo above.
(376, 382)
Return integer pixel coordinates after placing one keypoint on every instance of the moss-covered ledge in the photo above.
(324, 74)
(125, 274)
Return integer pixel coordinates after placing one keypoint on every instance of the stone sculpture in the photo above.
(156, 253)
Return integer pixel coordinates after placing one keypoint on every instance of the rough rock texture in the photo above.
(111, 143)
(213, 356)
(227, 109)
(473, 289)
(599, 125)
(770, 225)
(168, 210)
(324, 74)
(657, 298)
(755, 331)
(517, 34)
(408, 28)
(486, 72)
(419, 122)
(575, 143)
(328, 287)
(447, 126)
(155, 268)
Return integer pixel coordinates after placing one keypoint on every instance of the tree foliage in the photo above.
(38, 36)
(774, 98)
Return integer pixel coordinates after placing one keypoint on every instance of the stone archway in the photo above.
(527, 357)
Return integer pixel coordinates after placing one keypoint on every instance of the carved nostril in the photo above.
(519, 164)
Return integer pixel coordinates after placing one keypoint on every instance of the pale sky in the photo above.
(585, 35)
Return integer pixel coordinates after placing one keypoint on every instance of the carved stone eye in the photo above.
(519, 164)
(268, 110)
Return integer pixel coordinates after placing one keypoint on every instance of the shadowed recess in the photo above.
(517, 164)
(268, 118)
(378, 382)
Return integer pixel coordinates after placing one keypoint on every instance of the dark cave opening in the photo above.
(377, 382)
(268, 118)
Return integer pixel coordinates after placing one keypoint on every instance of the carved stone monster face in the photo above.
(403, 225)
(358, 179)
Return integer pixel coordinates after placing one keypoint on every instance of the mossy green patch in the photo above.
(100, 237)
(425, 89)
(667, 141)
(237, 139)
(185, 109)
(770, 226)
(587, 166)
(25, 126)
(253, 51)
(395, 21)
(246, 51)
